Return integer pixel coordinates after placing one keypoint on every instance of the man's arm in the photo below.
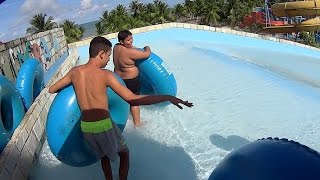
(66, 80)
(136, 54)
(135, 100)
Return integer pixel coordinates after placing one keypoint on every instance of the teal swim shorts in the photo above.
(105, 137)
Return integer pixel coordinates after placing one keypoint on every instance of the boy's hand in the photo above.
(176, 102)
(146, 48)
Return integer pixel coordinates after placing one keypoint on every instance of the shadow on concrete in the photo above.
(229, 143)
(149, 160)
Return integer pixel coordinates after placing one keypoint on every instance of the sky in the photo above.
(16, 14)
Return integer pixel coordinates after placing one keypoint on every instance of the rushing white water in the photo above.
(242, 89)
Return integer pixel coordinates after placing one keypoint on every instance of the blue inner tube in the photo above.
(30, 81)
(156, 77)
(11, 110)
(63, 126)
(271, 158)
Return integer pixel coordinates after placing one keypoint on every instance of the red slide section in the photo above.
(258, 18)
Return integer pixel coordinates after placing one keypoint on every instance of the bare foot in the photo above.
(141, 124)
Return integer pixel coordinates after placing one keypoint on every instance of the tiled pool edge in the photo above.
(18, 156)
(195, 27)
(25, 144)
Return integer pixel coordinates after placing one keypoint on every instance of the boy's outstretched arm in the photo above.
(153, 99)
(136, 100)
(64, 81)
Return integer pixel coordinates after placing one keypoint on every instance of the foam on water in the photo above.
(242, 89)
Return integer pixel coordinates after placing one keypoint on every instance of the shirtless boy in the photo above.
(90, 83)
(124, 56)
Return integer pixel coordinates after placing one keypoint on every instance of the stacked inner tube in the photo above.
(270, 158)
(11, 110)
(16, 100)
(30, 81)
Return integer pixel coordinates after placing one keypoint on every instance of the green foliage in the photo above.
(206, 12)
(100, 28)
(72, 32)
(138, 15)
(309, 38)
(40, 24)
(255, 27)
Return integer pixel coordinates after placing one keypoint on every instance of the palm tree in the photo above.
(150, 8)
(40, 24)
(135, 23)
(162, 12)
(105, 15)
(121, 10)
(135, 8)
(82, 30)
(114, 21)
(198, 9)
(236, 10)
(101, 29)
(179, 11)
(190, 8)
(72, 31)
(148, 13)
(109, 21)
(210, 13)
(102, 25)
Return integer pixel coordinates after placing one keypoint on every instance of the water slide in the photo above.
(258, 18)
(298, 8)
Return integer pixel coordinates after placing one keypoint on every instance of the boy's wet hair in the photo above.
(122, 35)
(98, 44)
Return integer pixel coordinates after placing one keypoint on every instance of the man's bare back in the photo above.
(124, 60)
(90, 85)
(124, 66)
(91, 92)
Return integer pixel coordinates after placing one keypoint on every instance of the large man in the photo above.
(90, 83)
(124, 57)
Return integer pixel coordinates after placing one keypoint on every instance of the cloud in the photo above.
(86, 4)
(43, 6)
(29, 8)
(78, 11)
(16, 33)
(57, 20)
(105, 5)
(20, 23)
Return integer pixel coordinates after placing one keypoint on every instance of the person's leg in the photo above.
(135, 87)
(106, 167)
(124, 164)
(135, 111)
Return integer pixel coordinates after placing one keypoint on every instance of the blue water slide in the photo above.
(156, 77)
(63, 126)
(30, 80)
(271, 158)
(11, 110)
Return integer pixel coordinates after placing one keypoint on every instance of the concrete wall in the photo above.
(13, 53)
(17, 158)
(26, 142)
